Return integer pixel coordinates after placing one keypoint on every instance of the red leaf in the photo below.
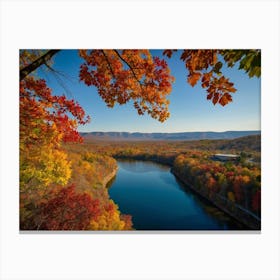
(216, 98)
(210, 96)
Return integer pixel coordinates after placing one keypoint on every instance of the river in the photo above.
(156, 200)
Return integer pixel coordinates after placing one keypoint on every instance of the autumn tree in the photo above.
(236, 183)
(44, 124)
(121, 76)
(205, 66)
(71, 210)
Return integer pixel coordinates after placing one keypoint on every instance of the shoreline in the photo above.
(231, 209)
(235, 211)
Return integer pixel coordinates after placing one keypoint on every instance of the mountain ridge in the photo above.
(153, 136)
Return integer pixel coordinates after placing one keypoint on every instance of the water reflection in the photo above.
(209, 209)
(136, 166)
(158, 201)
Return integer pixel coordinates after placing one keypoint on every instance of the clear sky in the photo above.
(189, 109)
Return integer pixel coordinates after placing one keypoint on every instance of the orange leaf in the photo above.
(206, 77)
(216, 98)
(231, 89)
(225, 99)
(193, 78)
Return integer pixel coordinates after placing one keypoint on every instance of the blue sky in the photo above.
(189, 109)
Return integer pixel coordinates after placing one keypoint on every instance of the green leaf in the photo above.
(218, 67)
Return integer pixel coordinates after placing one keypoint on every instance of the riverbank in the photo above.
(109, 178)
(156, 200)
(232, 209)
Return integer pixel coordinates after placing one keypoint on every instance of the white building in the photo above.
(226, 157)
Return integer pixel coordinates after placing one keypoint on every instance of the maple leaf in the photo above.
(129, 75)
(225, 99)
(168, 53)
(184, 55)
(230, 88)
(193, 78)
(215, 98)
(210, 95)
(206, 77)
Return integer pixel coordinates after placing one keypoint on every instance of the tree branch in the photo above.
(129, 67)
(38, 62)
(109, 64)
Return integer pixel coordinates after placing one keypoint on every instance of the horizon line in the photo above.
(196, 131)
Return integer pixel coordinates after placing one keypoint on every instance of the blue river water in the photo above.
(156, 200)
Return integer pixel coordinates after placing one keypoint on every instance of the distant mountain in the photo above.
(138, 136)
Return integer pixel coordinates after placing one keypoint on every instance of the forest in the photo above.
(237, 183)
(63, 178)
